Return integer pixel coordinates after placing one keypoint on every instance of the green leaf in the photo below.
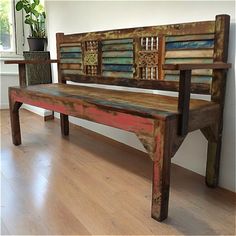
(36, 2)
(19, 6)
(35, 13)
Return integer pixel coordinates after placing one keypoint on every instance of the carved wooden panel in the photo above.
(90, 59)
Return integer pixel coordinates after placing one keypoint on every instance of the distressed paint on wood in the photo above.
(189, 37)
(72, 61)
(71, 55)
(90, 112)
(71, 66)
(207, 53)
(194, 79)
(118, 54)
(190, 45)
(188, 60)
(124, 68)
(117, 41)
(117, 47)
(70, 49)
(72, 72)
(197, 88)
(207, 72)
(121, 61)
(118, 74)
(204, 27)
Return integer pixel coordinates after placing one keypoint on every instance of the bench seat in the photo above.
(138, 103)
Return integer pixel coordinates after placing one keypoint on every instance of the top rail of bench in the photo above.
(139, 57)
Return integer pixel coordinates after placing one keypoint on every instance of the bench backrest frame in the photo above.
(219, 28)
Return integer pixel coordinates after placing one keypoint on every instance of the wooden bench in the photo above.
(188, 58)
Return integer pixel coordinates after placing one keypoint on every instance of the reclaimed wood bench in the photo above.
(188, 58)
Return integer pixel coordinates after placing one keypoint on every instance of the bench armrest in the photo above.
(217, 65)
(24, 62)
(21, 67)
(185, 87)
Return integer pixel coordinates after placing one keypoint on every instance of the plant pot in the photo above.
(36, 44)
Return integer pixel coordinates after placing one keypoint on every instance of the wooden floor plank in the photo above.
(88, 184)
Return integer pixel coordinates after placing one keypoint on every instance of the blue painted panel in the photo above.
(71, 55)
(117, 47)
(194, 78)
(71, 49)
(125, 68)
(190, 45)
(77, 60)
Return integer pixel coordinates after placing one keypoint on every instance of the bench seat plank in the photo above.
(143, 104)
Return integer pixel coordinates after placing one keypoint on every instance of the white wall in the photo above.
(75, 16)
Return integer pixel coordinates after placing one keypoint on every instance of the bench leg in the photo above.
(64, 124)
(15, 121)
(213, 163)
(161, 176)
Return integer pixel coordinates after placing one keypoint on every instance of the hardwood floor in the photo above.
(88, 184)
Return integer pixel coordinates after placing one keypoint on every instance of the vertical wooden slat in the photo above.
(183, 101)
(218, 95)
(59, 39)
(22, 75)
(99, 66)
(161, 57)
(137, 48)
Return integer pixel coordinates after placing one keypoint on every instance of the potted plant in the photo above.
(35, 18)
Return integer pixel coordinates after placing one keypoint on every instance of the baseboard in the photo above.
(4, 106)
(37, 110)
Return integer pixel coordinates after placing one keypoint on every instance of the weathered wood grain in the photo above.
(198, 88)
(207, 53)
(188, 45)
(189, 37)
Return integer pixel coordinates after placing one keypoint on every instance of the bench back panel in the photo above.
(134, 57)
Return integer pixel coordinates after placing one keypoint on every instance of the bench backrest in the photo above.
(134, 57)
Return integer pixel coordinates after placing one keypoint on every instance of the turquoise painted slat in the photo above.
(187, 60)
(189, 37)
(71, 55)
(77, 60)
(194, 79)
(190, 45)
(118, 54)
(127, 75)
(121, 60)
(71, 49)
(117, 41)
(124, 68)
(117, 47)
(72, 72)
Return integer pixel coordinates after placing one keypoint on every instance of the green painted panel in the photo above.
(77, 60)
(117, 41)
(194, 79)
(71, 55)
(117, 47)
(72, 72)
(128, 75)
(124, 68)
(189, 37)
(121, 60)
(188, 60)
(118, 54)
(71, 49)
